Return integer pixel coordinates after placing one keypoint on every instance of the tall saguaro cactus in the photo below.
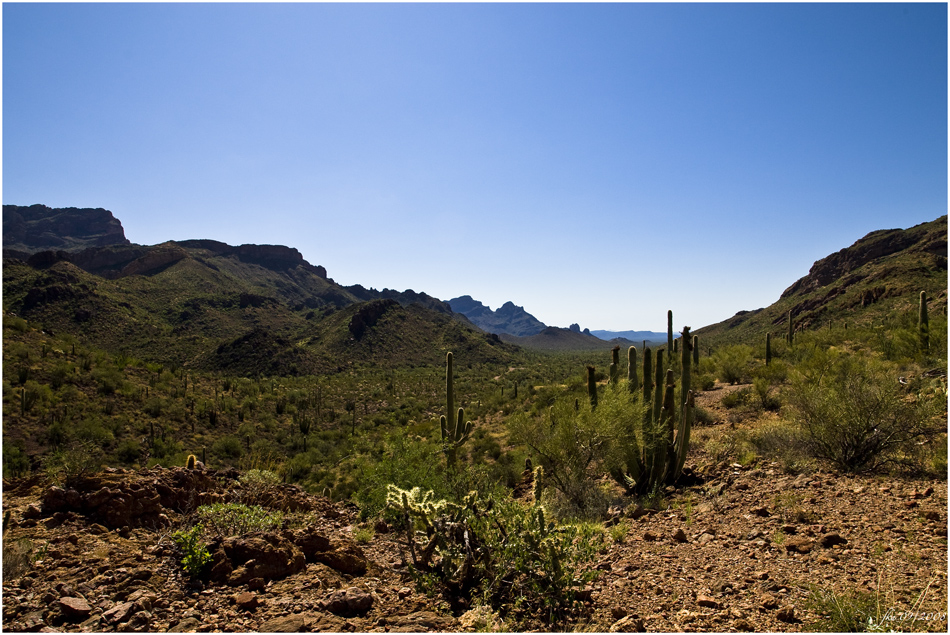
(768, 349)
(923, 322)
(687, 356)
(647, 375)
(592, 386)
(791, 335)
(614, 371)
(669, 335)
(455, 431)
(633, 382)
(449, 387)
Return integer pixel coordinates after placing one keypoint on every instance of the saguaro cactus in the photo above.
(923, 322)
(449, 387)
(633, 382)
(647, 376)
(696, 350)
(669, 335)
(457, 433)
(685, 359)
(591, 387)
(768, 349)
(614, 371)
(791, 335)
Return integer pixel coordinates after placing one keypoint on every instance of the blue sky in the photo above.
(596, 164)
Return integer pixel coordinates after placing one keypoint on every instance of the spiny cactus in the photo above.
(658, 387)
(687, 356)
(696, 350)
(614, 370)
(669, 335)
(923, 322)
(592, 386)
(633, 382)
(768, 349)
(449, 387)
(647, 375)
(538, 482)
(457, 433)
(791, 329)
(191, 462)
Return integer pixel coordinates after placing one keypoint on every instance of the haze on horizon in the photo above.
(596, 164)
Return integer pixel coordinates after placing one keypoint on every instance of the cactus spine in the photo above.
(923, 322)
(633, 382)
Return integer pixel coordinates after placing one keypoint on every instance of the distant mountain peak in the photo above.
(509, 319)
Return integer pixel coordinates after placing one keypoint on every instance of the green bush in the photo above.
(195, 555)
(15, 461)
(732, 363)
(855, 414)
(577, 447)
(236, 519)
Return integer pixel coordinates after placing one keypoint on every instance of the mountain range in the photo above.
(265, 309)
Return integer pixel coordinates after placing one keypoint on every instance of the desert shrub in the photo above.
(732, 363)
(854, 413)
(763, 393)
(496, 551)
(67, 465)
(15, 461)
(228, 447)
(400, 461)
(578, 446)
(128, 451)
(108, 379)
(95, 431)
(236, 519)
(738, 398)
(194, 550)
(17, 558)
(782, 442)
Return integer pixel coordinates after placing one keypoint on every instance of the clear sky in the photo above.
(596, 164)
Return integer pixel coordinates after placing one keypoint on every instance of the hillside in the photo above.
(553, 339)
(878, 276)
(207, 305)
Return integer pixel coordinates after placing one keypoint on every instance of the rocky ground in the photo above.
(748, 550)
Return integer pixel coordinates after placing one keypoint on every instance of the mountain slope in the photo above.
(879, 275)
(243, 309)
(508, 319)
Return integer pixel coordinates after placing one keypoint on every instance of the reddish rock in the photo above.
(349, 602)
(246, 601)
(119, 613)
(707, 602)
(798, 544)
(74, 609)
